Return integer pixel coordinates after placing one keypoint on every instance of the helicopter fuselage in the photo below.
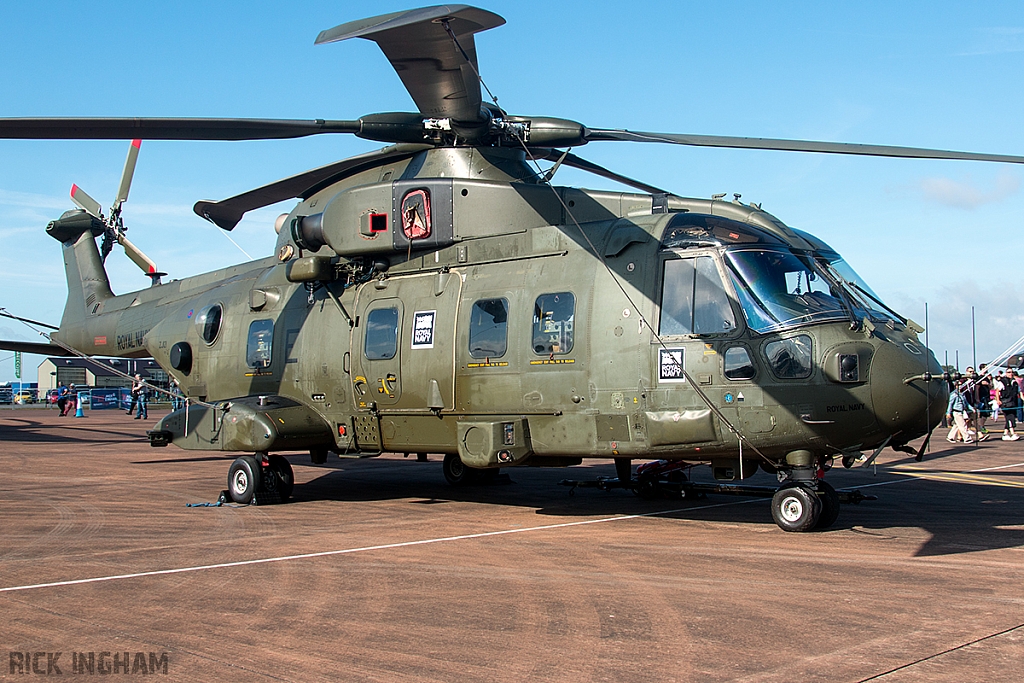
(451, 303)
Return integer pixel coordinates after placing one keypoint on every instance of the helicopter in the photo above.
(441, 295)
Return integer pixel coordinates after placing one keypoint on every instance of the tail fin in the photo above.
(88, 285)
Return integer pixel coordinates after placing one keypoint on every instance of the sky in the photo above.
(937, 74)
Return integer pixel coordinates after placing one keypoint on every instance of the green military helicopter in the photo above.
(440, 295)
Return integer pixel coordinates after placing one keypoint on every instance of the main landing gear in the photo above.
(457, 474)
(260, 479)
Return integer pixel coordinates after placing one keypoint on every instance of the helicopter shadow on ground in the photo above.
(960, 517)
(27, 430)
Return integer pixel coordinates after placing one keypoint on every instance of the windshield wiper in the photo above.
(873, 298)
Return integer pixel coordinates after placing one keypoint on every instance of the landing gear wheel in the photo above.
(796, 508)
(318, 455)
(455, 471)
(647, 489)
(243, 479)
(281, 470)
(829, 505)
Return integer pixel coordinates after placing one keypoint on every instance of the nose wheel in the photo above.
(796, 507)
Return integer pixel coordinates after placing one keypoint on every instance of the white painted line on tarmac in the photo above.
(1001, 467)
(348, 551)
(885, 483)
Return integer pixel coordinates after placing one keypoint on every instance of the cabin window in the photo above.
(790, 358)
(260, 347)
(693, 300)
(738, 364)
(488, 328)
(208, 322)
(381, 341)
(553, 323)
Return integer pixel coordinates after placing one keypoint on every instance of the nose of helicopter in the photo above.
(906, 409)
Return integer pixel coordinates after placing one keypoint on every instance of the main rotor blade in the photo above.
(594, 134)
(442, 79)
(50, 128)
(5, 314)
(129, 171)
(589, 166)
(34, 347)
(84, 201)
(228, 212)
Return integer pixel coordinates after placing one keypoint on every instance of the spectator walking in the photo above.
(957, 411)
(1020, 394)
(177, 398)
(72, 401)
(137, 385)
(62, 399)
(1008, 397)
(997, 388)
(142, 397)
(984, 393)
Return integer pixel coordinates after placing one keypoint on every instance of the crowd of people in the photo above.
(980, 395)
(140, 394)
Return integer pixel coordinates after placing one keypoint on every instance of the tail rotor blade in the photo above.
(83, 200)
(136, 255)
(129, 171)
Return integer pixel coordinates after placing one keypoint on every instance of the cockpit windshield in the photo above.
(778, 289)
(867, 303)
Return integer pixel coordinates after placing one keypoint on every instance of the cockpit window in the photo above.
(868, 303)
(864, 300)
(778, 289)
(693, 300)
(790, 358)
(687, 230)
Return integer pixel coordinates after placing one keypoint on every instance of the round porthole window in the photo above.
(208, 321)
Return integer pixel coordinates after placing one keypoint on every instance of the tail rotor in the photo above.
(114, 227)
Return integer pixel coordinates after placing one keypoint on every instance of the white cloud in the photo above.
(964, 194)
(998, 315)
(33, 200)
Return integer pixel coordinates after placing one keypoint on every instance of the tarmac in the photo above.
(377, 570)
